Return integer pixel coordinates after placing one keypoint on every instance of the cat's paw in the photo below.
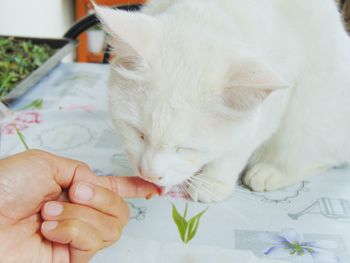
(264, 177)
(209, 190)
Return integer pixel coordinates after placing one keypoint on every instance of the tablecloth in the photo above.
(311, 217)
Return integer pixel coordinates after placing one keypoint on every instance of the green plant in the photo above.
(96, 28)
(18, 58)
(187, 228)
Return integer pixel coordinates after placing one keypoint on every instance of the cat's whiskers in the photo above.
(185, 192)
(205, 183)
(202, 187)
(220, 204)
(237, 194)
(208, 180)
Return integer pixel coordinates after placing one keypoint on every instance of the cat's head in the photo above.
(181, 99)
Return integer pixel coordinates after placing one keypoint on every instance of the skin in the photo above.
(35, 183)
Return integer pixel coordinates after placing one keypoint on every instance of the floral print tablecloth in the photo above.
(308, 222)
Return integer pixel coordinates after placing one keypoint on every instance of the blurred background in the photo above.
(52, 19)
(56, 30)
(36, 35)
(40, 18)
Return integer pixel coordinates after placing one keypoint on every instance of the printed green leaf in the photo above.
(36, 104)
(187, 229)
(193, 224)
(185, 213)
(21, 137)
(180, 222)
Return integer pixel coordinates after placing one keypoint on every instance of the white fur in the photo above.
(205, 85)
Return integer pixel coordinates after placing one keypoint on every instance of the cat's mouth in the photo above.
(165, 190)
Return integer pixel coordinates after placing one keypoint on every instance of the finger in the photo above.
(67, 171)
(107, 226)
(73, 232)
(101, 199)
(84, 240)
(132, 187)
(126, 187)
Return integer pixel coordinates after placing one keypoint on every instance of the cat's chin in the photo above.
(164, 190)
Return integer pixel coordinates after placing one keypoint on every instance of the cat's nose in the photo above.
(153, 178)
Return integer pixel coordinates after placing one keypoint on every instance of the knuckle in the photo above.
(72, 227)
(121, 212)
(97, 244)
(112, 201)
(81, 168)
(113, 184)
(37, 153)
(83, 165)
(117, 231)
(126, 215)
(106, 201)
(7, 195)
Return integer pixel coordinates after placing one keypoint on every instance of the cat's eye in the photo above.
(142, 136)
(139, 133)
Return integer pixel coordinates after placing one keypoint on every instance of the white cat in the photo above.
(201, 90)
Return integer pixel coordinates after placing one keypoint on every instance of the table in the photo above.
(74, 122)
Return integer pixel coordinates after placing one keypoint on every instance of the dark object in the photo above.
(341, 4)
(61, 47)
(344, 9)
(90, 21)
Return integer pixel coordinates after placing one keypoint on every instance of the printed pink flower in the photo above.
(74, 107)
(21, 121)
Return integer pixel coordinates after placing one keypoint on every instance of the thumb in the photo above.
(68, 171)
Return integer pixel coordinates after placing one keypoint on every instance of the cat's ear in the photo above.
(251, 85)
(133, 31)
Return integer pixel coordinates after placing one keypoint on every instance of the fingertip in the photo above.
(48, 226)
(81, 192)
(155, 189)
(134, 187)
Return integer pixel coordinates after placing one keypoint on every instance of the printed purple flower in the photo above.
(290, 246)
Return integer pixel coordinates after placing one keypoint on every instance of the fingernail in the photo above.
(149, 196)
(159, 190)
(49, 225)
(53, 209)
(152, 194)
(83, 192)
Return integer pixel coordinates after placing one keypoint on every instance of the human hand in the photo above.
(54, 209)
